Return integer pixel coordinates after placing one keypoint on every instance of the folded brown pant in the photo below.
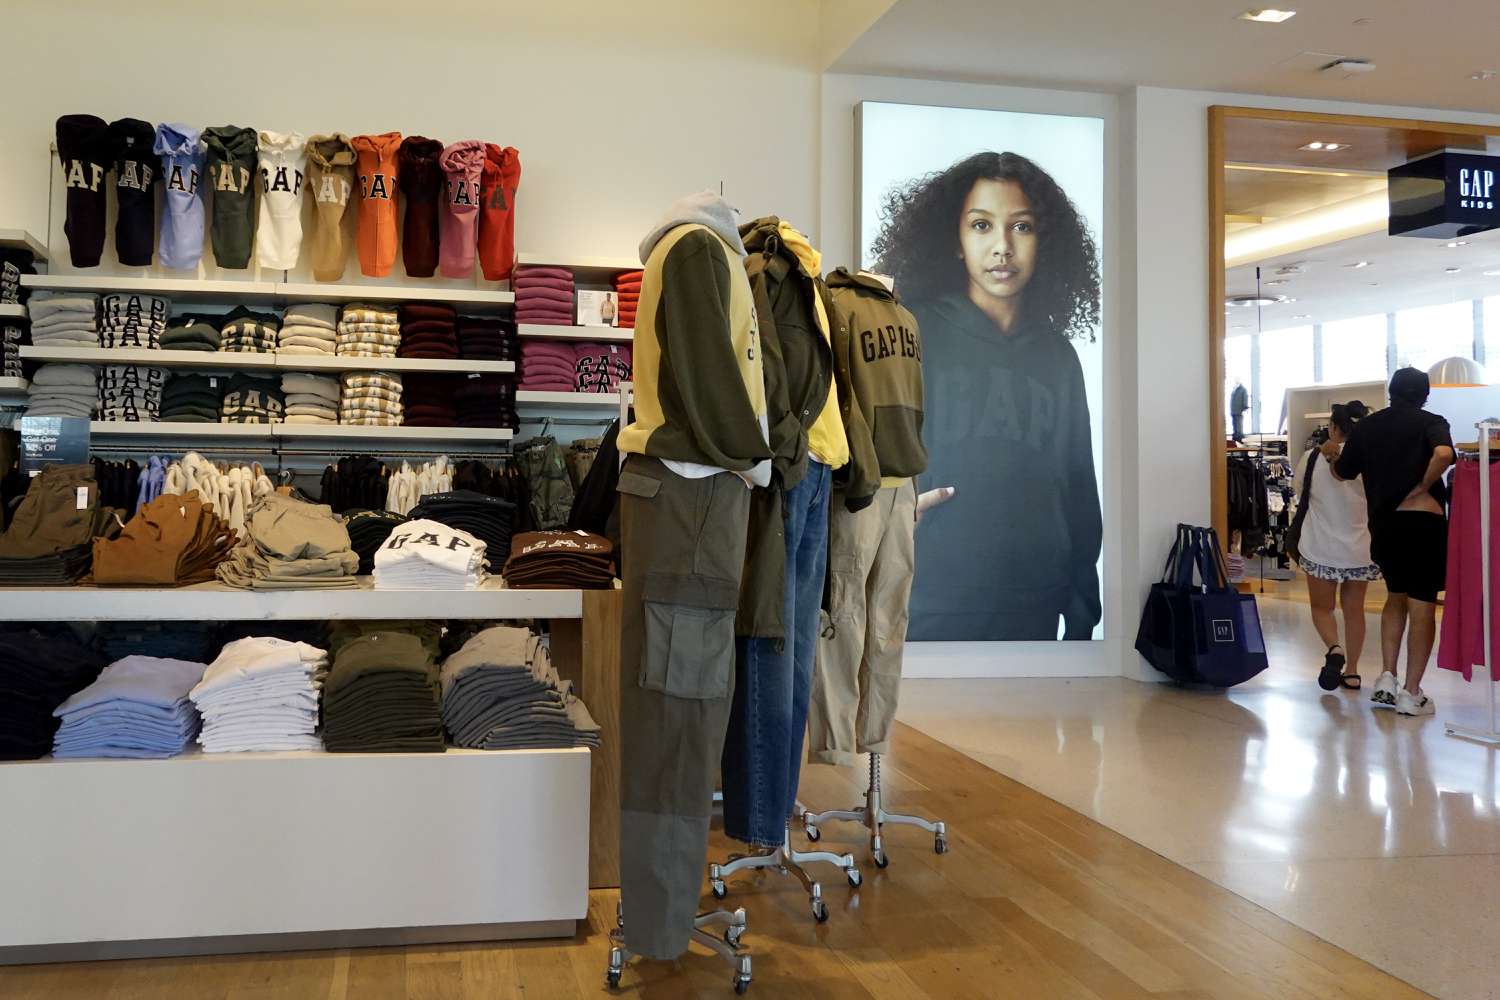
(173, 540)
(60, 511)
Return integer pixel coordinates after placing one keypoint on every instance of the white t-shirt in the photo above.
(1336, 532)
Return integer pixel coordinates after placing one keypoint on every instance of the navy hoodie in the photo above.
(1007, 423)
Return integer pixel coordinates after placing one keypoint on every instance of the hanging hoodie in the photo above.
(182, 160)
(83, 146)
(136, 175)
(463, 167)
(330, 179)
(700, 389)
(421, 180)
(376, 164)
(278, 234)
(231, 175)
(497, 212)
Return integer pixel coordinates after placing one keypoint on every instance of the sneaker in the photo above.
(1414, 704)
(1385, 691)
(1333, 669)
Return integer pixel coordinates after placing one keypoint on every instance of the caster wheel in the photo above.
(814, 834)
(732, 937)
(719, 889)
(612, 979)
(881, 860)
(820, 911)
(855, 878)
(940, 845)
(741, 986)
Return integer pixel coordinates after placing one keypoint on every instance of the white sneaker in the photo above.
(1414, 704)
(1384, 695)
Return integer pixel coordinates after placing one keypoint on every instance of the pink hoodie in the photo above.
(463, 165)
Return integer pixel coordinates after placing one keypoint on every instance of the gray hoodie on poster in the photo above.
(181, 155)
(231, 174)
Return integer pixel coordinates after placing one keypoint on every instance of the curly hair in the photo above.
(918, 242)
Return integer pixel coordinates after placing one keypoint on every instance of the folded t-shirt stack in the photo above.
(549, 366)
(252, 399)
(627, 286)
(192, 399)
(560, 560)
(130, 392)
(138, 707)
(601, 367)
(261, 693)
(429, 399)
(368, 332)
(488, 518)
(484, 338)
(427, 555)
(544, 295)
(368, 530)
(38, 671)
(51, 533)
(500, 692)
(292, 545)
(133, 320)
(246, 332)
(371, 398)
(190, 332)
(382, 696)
(173, 541)
(62, 391)
(310, 328)
(487, 401)
(428, 330)
(310, 399)
(63, 319)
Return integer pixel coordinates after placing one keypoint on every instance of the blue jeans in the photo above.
(762, 761)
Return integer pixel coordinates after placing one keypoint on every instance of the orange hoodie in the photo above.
(376, 165)
(497, 212)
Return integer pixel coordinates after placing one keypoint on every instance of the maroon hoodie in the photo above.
(422, 190)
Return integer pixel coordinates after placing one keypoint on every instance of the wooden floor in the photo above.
(1033, 902)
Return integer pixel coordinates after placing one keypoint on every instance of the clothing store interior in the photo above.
(807, 498)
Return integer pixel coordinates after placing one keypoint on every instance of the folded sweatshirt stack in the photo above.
(261, 693)
(368, 332)
(368, 530)
(12, 337)
(601, 367)
(252, 399)
(310, 399)
(429, 399)
(246, 332)
(627, 285)
(490, 519)
(310, 328)
(130, 392)
(192, 399)
(560, 560)
(483, 338)
(487, 401)
(191, 332)
(500, 692)
(63, 319)
(133, 320)
(371, 399)
(138, 707)
(549, 366)
(382, 696)
(172, 541)
(292, 545)
(62, 391)
(544, 295)
(427, 555)
(38, 671)
(428, 330)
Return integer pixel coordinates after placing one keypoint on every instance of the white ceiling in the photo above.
(1425, 52)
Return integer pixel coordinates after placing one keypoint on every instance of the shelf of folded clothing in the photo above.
(220, 603)
(13, 390)
(12, 310)
(177, 289)
(378, 433)
(464, 299)
(312, 363)
(179, 429)
(197, 755)
(565, 400)
(145, 356)
(603, 334)
(22, 239)
(586, 270)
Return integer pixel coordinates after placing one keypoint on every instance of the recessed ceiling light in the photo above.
(1483, 74)
(1452, 270)
(1455, 244)
(1277, 281)
(1269, 15)
(1291, 269)
(1324, 147)
(1492, 274)
(1302, 316)
(1358, 264)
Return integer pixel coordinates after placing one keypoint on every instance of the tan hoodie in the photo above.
(330, 180)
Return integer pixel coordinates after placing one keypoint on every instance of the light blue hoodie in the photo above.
(182, 168)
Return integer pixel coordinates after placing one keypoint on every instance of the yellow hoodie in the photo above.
(826, 440)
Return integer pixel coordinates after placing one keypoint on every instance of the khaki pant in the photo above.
(858, 678)
(683, 550)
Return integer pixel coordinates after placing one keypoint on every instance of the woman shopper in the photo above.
(1334, 551)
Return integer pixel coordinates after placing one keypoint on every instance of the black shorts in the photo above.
(1411, 549)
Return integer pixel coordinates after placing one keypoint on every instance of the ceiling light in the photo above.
(1302, 316)
(1455, 244)
(1492, 274)
(1452, 270)
(1247, 301)
(1483, 74)
(1270, 15)
(1348, 67)
(1277, 281)
(1313, 145)
(1358, 264)
(1291, 269)
(1324, 147)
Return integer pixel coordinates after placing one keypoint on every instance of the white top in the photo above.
(1336, 532)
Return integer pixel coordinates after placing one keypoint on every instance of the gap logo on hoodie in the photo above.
(135, 175)
(85, 176)
(463, 192)
(377, 185)
(332, 190)
(183, 179)
(284, 178)
(230, 177)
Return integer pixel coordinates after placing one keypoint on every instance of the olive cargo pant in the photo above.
(683, 549)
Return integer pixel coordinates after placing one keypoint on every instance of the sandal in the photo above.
(1351, 681)
(1333, 668)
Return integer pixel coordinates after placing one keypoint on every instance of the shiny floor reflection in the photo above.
(1376, 832)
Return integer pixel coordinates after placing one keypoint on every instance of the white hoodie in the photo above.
(283, 166)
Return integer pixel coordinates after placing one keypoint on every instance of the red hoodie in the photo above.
(497, 212)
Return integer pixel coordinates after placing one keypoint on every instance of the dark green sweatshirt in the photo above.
(1007, 423)
(231, 177)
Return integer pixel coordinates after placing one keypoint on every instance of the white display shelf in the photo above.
(21, 238)
(12, 310)
(216, 602)
(309, 363)
(204, 290)
(13, 389)
(606, 334)
(467, 299)
(359, 432)
(564, 400)
(179, 429)
(261, 362)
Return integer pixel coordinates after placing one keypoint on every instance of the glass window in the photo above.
(1236, 372)
(1354, 350)
(1428, 335)
(1492, 338)
(1286, 360)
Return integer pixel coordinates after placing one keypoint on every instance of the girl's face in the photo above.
(997, 238)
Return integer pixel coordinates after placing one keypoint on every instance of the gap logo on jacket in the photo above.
(87, 180)
(284, 178)
(377, 185)
(463, 192)
(332, 190)
(135, 174)
(889, 342)
(183, 179)
(230, 177)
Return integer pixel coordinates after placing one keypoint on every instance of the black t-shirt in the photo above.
(1391, 449)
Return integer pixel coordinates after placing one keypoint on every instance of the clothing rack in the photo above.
(1492, 734)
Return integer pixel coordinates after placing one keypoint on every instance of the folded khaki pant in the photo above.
(172, 540)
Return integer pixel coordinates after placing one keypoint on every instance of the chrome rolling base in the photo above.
(726, 947)
(787, 862)
(874, 817)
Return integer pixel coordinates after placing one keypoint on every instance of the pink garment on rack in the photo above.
(1461, 641)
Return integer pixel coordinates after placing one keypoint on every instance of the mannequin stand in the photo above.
(727, 948)
(874, 817)
(787, 862)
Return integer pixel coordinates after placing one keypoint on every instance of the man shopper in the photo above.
(1402, 452)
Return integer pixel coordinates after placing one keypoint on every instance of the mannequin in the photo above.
(1239, 402)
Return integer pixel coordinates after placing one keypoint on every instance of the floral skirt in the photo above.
(1364, 574)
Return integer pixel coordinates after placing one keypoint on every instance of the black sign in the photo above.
(53, 441)
(1445, 195)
